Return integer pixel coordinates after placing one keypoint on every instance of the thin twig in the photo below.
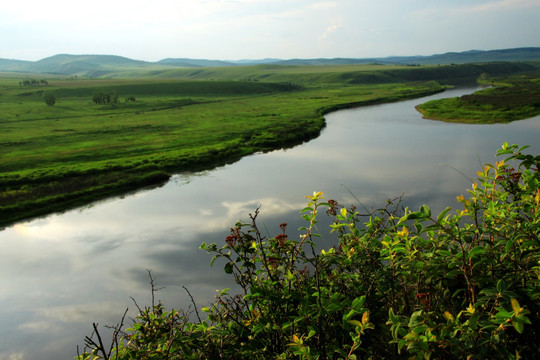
(137, 305)
(116, 332)
(359, 202)
(101, 347)
(194, 304)
(154, 287)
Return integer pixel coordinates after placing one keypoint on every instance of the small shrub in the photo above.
(50, 99)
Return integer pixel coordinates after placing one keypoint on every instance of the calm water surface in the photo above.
(60, 273)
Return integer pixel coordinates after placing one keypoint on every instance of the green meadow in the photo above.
(80, 149)
(510, 98)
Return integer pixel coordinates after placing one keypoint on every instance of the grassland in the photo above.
(77, 151)
(510, 98)
(335, 74)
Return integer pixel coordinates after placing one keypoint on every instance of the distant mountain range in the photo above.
(100, 65)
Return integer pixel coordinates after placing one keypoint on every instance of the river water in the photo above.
(61, 273)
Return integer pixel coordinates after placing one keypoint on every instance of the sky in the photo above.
(152, 30)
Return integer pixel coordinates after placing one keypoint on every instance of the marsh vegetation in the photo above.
(510, 98)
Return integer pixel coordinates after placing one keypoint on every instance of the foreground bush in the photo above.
(399, 284)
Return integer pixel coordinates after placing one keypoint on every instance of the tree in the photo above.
(105, 98)
(50, 99)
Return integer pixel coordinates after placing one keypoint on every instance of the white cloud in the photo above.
(262, 28)
(329, 30)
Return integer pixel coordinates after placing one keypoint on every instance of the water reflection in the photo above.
(63, 272)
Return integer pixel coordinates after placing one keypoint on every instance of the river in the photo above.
(61, 273)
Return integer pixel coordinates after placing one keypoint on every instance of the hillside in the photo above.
(185, 62)
(111, 65)
(472, 56)
(310, 75)
(14, 65)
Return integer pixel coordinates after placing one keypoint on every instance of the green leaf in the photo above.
(503, 314)
(392, 316)
(224, 292)
(501, 286)
(333, 307)
(355, 322)
(515, 306)
(478, 250)
(426, 211)
(441, 216)
(518, 325)
(509, 245)
(474, 320)
(443, 252)
(413, 216)
(350, 314)
(214, 259)
(229, 268)
(429, 228)
(420, 329)
(358, 303)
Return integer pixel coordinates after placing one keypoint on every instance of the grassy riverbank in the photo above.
(511, 98)
(80, 149)
(65, 155)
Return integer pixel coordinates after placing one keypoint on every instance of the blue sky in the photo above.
(254, 29)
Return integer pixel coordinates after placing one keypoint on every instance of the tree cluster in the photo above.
(399, 284)
(33, 82)
(105, 98)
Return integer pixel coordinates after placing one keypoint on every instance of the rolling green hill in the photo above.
(343, 74)
(81, 64)
(472, 56)
(14, 65)
(111, 65)
(185, 62)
